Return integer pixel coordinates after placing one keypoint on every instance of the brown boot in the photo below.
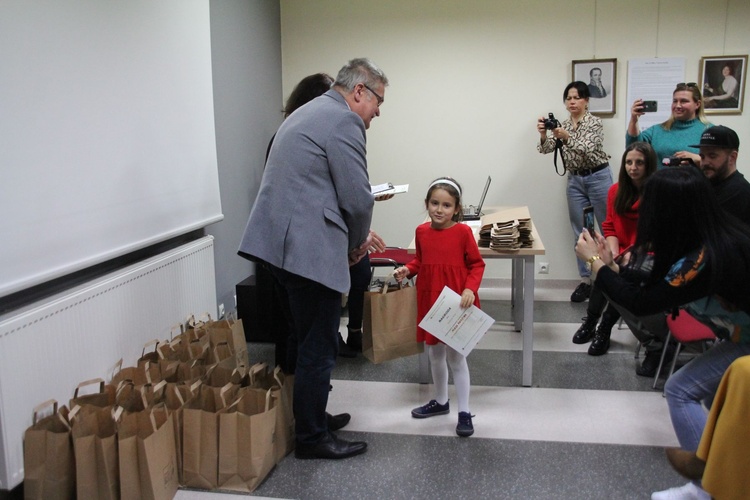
(686, 463)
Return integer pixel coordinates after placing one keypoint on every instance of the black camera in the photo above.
(551, 122)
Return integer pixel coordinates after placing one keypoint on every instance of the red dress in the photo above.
(444, 257)
(622, 226)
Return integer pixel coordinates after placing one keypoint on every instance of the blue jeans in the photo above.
(315, 313)
(584, 191)
(696, 383)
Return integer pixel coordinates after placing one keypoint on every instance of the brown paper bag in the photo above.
(246, 436)
(175, 398)
(105, 396)
(230, 330)
(148, 465)
(200, 437)
(389, 326)
(94, 435)
(48, 461)
(282, 386)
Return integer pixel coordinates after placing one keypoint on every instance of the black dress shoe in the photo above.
(330, 447)
(344, 350)
(336, 422)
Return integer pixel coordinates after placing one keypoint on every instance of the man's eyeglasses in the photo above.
(378, 97)
(690, 85)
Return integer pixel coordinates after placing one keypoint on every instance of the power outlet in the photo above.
(221, 311)
(544, 268)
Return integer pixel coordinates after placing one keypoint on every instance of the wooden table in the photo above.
(522, 294)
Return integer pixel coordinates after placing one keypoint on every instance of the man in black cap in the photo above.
(719, 149)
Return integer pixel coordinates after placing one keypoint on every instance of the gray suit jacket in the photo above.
(314, 203)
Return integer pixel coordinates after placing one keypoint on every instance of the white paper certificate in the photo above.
(459, 328)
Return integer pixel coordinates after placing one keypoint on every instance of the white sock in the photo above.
(461, 378)
(439, 369)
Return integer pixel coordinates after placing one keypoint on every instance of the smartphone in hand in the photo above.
(649, 107)
(588, 220)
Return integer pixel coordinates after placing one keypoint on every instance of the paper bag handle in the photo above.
(276, 372)
(179, 396)
(222, 393)
(387, 279)
(90, 382)
(41, 406)
(116, 368)
(153, 342)
(176, 326)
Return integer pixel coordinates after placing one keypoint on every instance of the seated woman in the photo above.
(699, 259)
(637, 165)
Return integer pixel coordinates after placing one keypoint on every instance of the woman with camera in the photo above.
(579, 139)
(700, 261)
(672, 138)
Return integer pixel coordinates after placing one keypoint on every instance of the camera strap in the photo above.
(558, 147)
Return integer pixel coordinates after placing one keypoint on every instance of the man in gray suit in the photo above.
(310, 221)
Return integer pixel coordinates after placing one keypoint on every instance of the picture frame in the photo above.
(601, 77)
(722, 80)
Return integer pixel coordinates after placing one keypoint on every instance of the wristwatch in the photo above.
(590, 261)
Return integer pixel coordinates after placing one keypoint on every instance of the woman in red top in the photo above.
(447, 255)
(623, 199)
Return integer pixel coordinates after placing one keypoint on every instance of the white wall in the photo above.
(246, 56)
(469, 78)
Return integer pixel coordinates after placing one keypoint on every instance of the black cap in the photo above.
(719, 137)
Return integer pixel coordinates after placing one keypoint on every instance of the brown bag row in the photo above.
(190, 413)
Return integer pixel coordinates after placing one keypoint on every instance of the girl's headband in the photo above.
(449, 182)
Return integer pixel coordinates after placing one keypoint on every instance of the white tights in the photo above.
(439, 367)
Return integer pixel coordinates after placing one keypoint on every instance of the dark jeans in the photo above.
(316, 313)
(359, 274)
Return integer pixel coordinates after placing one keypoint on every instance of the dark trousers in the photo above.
(359, 274)
(650, 330)
(315, 312)
(597, 303)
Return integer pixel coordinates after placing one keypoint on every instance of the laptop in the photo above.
(475, 212)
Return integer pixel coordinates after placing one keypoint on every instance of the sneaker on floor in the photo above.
(431, 409)
(581, 293)
(464, 428)
(687, 492)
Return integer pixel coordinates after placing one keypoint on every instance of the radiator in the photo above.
(50, 347)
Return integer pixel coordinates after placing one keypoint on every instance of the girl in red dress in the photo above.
(447, 255)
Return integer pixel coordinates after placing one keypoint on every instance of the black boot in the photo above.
(344, 350)
(586, 331)
(354, 340)
(600, 344)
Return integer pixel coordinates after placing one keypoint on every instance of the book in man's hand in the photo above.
(388, 188)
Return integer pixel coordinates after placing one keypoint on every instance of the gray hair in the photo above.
(360, 70)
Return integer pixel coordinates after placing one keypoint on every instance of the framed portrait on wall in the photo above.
(601, 77)
(723, 84)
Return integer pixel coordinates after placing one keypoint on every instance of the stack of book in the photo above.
(506, 231)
